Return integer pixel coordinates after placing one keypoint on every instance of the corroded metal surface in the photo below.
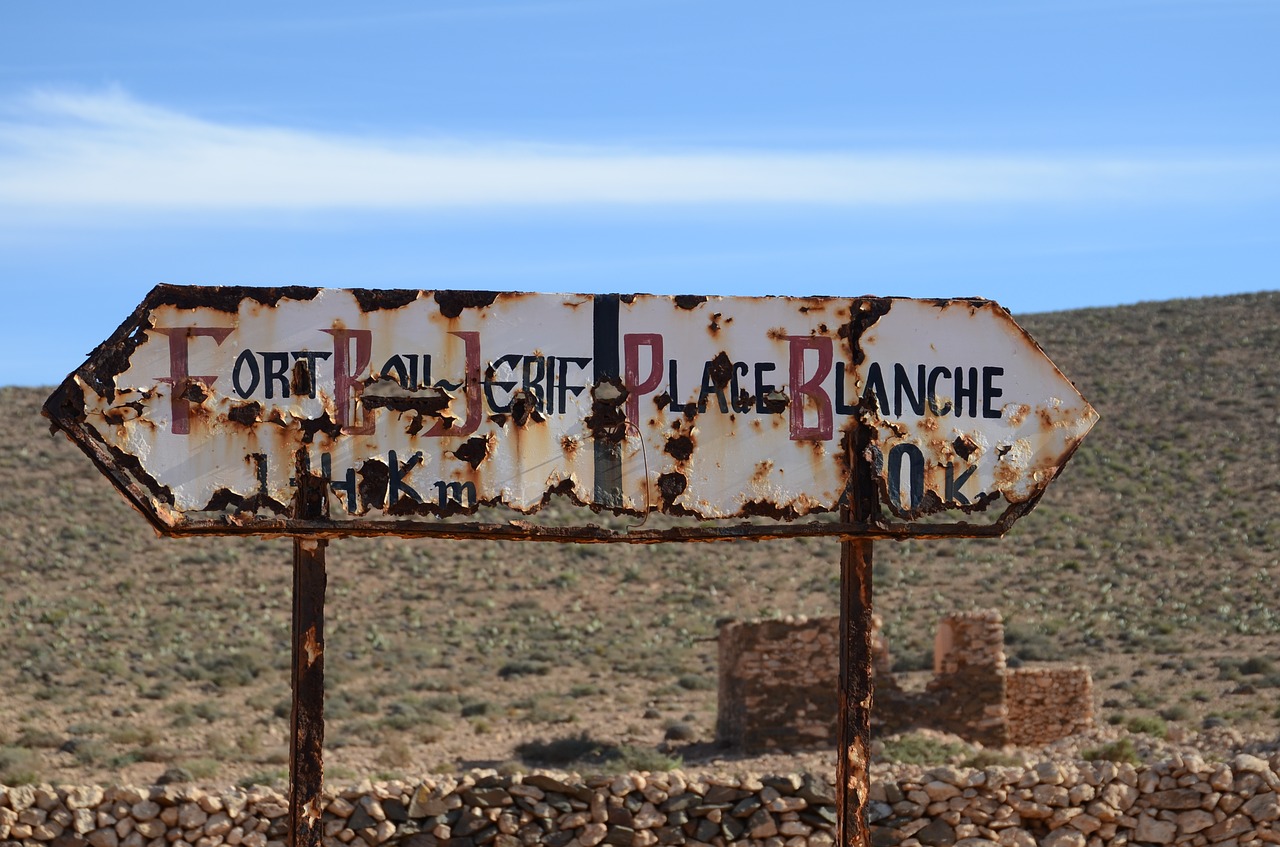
(209, 404)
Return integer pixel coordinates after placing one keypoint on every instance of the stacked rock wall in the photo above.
(776, 687)
(969, 678)
(1048, 703)
(779, 686)
(1184, 801)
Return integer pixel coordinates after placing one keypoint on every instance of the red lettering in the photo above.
(803, 389)
(179, 378)
(346, 383)
(471, 387)
(631, 344)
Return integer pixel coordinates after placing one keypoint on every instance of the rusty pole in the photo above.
(306, 720)
(854, 729)
(306, 765)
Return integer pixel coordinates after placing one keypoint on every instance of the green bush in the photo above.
(19, 766)
(564, 750)
(1121, 751)
(1148, 725)
(913, 749)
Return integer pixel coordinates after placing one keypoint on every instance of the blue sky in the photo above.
(1047, 155)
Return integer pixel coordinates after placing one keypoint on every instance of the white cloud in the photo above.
(66, 153)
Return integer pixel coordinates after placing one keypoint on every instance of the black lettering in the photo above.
(842, 408)
(406, 376)
(347, 486)
(260, 465)
(310, 358)
(673, 391)
(246, 357)
(954, 484)
(737, 398)
(875, 389)
(710, 387)
(915, 492)
(932, 390)
(764, 389)
(990, 392)
(563, 386)
(535, 368)
(275, 367)
(902, 385)
(396, 476)
(458, 492)
(971, 392)
(551, 385)
(510, 360)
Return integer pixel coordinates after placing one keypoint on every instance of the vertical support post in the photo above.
(853, 780)
(306, 722)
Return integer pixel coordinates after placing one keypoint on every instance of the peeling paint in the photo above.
(210, 407)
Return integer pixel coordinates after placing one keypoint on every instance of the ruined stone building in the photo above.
(779, 687)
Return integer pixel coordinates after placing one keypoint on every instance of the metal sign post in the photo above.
(325, 413)
(853, 730)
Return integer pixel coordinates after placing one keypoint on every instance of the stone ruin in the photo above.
(779, 687)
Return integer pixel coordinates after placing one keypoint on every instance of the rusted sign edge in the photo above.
(592, 534)
(66, 405)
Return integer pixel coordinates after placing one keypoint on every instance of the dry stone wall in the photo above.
(1048, 703)
(1182, 801)
(779, 686)
(754, 709)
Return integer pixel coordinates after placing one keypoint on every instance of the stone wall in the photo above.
(968, 685)
(1048, 703)
(754, 709)
(779, 687)
(1182, 801)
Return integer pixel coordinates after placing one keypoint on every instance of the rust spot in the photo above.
(525, 408)
(195, 392)
(473, 451)
(1019, 415)
(607, 420)
(775, 402)
(245, 414)
(865, 313)
(964, 446)
(680, 448)
(761, 472)
(374, 478)
(453, 302)
(301, 383)
(415, 425)
(714, 325)
(627, 298)
(324, 424)
(568, 445)
(689, 301)
(373, 299)
(671, 486)
(721, 370)
(124, 412)
(767, 509)
(777, 333)
(225, 298)
(430, 401)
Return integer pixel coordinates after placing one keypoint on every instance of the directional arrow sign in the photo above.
(213, 408)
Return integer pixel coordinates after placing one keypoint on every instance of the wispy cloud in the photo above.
(63, 153)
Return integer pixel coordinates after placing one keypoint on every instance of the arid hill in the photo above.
(1154, 559)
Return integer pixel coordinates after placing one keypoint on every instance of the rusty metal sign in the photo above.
(212, 408)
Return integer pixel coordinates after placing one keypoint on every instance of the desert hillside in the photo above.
(1154, 559)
